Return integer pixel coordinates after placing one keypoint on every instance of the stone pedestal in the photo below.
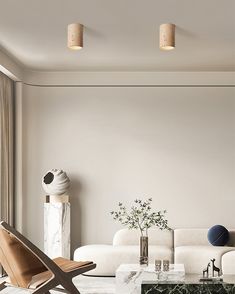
(57, 226)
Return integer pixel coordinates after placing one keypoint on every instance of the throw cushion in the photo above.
(218, 235)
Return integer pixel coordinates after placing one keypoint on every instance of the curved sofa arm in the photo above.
(228, 263)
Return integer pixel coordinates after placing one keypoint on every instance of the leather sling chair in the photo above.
(29, 268)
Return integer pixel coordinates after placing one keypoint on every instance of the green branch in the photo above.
(140, 216)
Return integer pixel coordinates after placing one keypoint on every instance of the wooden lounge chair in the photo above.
(29, 268)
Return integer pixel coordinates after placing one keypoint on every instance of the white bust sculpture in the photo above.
(55, 182)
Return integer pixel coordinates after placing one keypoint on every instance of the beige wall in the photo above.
(174, 144)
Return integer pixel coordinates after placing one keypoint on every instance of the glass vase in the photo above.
(144, 259)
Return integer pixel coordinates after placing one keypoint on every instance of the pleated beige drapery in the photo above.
(6, 149)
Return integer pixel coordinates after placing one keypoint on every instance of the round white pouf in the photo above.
(55, 182)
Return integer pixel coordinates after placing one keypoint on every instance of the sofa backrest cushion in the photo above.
(197, 237)
(189, 237)
(231, 241)
(132, 237)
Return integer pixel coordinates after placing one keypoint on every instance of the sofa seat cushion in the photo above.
(108, 257)
(228, 263)
(196, 258)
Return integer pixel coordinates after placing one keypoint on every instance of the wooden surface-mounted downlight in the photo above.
(167, 36)
(75, 36)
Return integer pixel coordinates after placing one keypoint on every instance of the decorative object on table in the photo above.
(218, 235)
(206, 271)
(158, 265)
(214, 268)
(144, 250)
(175, 271)
(158, 268)
(141, 217)
(56, 214)
(211, 276)
(166, 264)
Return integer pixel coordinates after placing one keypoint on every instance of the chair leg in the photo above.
(2, 286)
(44, 289)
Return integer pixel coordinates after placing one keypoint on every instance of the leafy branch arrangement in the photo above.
(141, 216)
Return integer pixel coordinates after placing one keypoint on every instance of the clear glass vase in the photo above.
(144, 259)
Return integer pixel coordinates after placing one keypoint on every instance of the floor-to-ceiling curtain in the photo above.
(6, 150)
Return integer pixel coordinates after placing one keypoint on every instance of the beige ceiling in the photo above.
(119, 34)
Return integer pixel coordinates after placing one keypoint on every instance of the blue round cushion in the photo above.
(218, 235)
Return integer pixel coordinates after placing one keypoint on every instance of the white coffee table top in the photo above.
(130, 276)
(173, 268)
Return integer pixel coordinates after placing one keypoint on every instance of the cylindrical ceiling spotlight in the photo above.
(75, 36)
(167, 36)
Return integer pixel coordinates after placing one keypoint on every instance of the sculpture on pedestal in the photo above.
(56, 182)
(56, 214)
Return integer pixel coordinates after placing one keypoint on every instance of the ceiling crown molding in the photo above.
(10, 67)
(99, 78)
(126, 79)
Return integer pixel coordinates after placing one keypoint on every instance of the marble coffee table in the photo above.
(129, 277)
(190, 285)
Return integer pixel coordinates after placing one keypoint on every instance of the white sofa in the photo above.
(187, 246)
(191, 247)
(228, 263)
(125, 249)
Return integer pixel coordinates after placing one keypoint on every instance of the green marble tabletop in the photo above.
(190, 285)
